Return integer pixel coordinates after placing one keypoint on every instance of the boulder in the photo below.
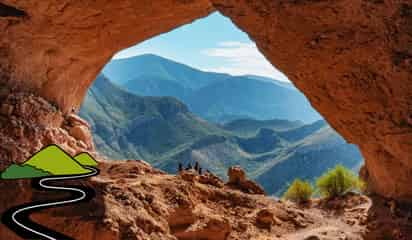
(75, 120)
(238, 180)
(82, 133)
(265, 218)
(236, 175)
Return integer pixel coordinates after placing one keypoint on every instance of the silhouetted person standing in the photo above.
(180, 168)
(200, 171)
(197, 166)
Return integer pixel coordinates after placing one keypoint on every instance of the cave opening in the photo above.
(339, 53)
(203, 93)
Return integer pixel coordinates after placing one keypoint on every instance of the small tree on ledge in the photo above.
(338, 181)
(299, 191)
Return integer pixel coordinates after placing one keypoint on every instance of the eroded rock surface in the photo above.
(27, 124)
(64, 44)
(135, 201)
(352, 59)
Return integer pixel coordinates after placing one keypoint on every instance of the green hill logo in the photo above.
(50, 161)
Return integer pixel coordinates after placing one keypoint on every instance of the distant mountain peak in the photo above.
(212, 96)
(126, 70)
(146, 56)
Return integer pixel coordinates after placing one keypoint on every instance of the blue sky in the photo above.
(213, 44)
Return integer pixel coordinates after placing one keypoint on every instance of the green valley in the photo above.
(162, 131)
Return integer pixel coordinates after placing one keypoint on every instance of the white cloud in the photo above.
(242, 58)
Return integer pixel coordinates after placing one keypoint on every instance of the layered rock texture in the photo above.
(27, 124)
(352, 59)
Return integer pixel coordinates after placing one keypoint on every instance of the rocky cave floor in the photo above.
(135, 201)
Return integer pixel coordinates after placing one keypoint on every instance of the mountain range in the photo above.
(213, 96)
(164, 132)
(131, 126)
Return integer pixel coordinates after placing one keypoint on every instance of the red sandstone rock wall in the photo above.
(352, 58)
(27, 124)
(61, 45)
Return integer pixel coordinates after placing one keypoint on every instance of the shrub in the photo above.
(299, 191)
(338, 181)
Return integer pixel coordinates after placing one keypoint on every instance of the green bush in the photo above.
(299, 191)
(338, 181)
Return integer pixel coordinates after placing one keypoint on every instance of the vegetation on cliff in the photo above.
(162, 131)
(338, 181)
(299, 191)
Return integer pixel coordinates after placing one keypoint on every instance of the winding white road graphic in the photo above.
(18, 220)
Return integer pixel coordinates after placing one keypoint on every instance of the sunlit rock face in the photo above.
(352, 59)
(58, 47)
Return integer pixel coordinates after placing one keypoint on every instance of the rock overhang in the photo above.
(351, 58)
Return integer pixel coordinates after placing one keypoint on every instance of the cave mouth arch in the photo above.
(350, 58)
(252, 116)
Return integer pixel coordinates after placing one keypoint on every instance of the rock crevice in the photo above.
(9, 11)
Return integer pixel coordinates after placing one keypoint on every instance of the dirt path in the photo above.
(331, 225)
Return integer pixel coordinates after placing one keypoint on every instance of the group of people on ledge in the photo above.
(189, 166)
